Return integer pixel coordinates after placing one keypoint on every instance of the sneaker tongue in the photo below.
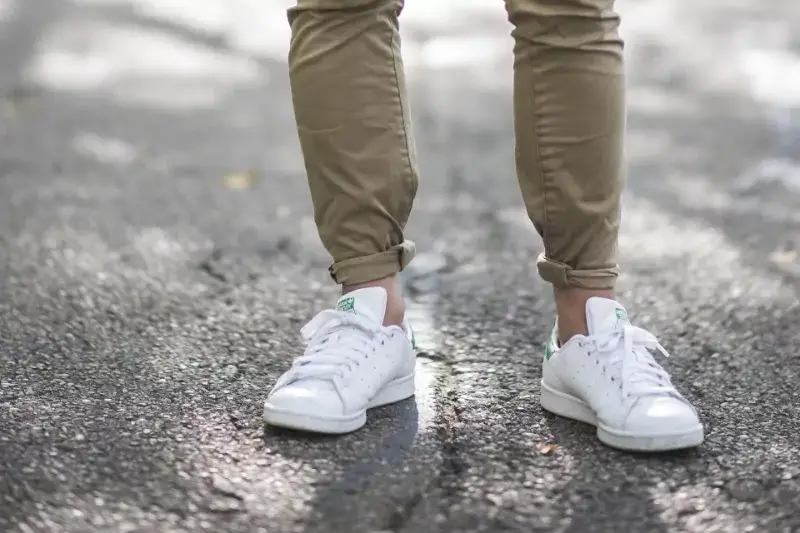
(369, 303)
(604, 315)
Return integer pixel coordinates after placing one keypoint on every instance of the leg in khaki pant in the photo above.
(569, 121)
(352, 116)
(353, 122)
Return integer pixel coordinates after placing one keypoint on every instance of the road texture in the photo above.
(158, 256)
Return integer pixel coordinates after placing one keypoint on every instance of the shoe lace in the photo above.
(640, 374)
(337, 343)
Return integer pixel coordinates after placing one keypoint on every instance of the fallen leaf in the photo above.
(240, 180)
(546, 448)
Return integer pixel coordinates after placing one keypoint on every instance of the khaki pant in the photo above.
(353, 120)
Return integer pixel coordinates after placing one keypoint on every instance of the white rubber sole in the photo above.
(566, 405)
(395, 391)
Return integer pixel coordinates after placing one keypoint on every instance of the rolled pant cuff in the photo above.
(373, 267)
(563, 276)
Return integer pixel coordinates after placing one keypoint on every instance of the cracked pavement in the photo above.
(158, 256)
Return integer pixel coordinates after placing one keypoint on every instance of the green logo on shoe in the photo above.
(346, 305)
(622, 315)
(550, 347)
(549, 351)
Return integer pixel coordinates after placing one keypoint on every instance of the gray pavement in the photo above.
(158, 256)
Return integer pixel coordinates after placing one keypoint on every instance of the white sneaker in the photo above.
(609, 379)
(352, 363)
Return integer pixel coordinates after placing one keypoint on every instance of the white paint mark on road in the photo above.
(774, 76)
(464, 51)
(104, 149)
(8, 9)
(134, 64)
(463, 35)
(259, 27)
(782, 171)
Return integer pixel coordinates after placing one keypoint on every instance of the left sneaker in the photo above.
(352, 363)
(609, 379)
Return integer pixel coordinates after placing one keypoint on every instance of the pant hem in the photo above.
(561, 275)
(373, 267)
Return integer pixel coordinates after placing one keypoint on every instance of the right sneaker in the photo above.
(610, 379)
(352, 362)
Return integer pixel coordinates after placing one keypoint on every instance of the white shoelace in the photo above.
(641, 375)
(337, 343)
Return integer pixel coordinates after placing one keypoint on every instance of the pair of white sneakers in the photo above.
(607, 378)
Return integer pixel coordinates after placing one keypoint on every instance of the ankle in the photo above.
(395, 305)
(571, 310)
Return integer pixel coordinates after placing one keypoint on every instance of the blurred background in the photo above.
(158, 255)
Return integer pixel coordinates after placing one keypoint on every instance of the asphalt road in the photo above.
(158, 256)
